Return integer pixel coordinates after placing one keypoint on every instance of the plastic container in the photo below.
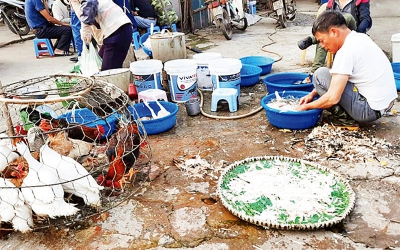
(295, 120)
(203, 72)
(146, 50)
(119, 77)
(250, 75)
(88, 118)
(287, 81)
(147, 74)
(252, 7)
(264, 62)
(225, 73)
(154, 126)
(181, 74)
(396, 72)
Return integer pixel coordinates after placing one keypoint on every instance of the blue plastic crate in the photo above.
(88, 118)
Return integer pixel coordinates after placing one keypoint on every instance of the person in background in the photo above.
(144, 13)
(360, 87)
(358, 19)
(46, 26)
(76, 34)
(60, 10)
(109, 25)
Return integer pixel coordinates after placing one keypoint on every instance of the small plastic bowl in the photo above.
(396, 72)
(264, 62)
(294, 120)
(250, 75)
(155, 126)
(143, 39)
(286, 81)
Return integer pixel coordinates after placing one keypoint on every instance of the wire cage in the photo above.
(70, 149)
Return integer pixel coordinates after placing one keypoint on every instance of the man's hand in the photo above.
(86, 33)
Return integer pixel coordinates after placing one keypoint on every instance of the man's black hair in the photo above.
(328, 19)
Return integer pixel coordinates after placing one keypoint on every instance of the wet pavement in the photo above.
(180, 209)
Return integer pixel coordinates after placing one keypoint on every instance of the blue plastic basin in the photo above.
(88, 118)
(155, 126)
(286, 81)
(250, 75)
(396, 72)
(264, 62)
(143, 39)
(295, 120)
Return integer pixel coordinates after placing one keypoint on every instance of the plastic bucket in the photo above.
(168, 46)
(147, 74)
(181, 74)
(203, 73)
(119, 77)
(225, 73)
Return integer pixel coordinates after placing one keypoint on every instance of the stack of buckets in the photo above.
(207, 71)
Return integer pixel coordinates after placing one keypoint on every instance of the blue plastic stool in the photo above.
(43, 46)
(228, 94)
(135, 38)
(174, 29)
(155, 29)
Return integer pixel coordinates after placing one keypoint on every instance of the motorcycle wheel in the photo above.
(19, 24)
(243, 24)
(226, 25)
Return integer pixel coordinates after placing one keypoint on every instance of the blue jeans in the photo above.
(144, 23)
(76, 33)
(352, 101)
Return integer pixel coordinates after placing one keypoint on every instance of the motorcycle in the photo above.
(228, 14)
(12, 12)
(282, 10)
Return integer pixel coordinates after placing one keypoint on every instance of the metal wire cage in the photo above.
(76, 142)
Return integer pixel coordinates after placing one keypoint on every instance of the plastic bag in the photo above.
(90, 61)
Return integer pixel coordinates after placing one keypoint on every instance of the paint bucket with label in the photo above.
(203, 72)
(225, 73)
(181, 74)
(147, 74)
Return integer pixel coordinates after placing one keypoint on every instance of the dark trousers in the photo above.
(63, 34)
(115, 47)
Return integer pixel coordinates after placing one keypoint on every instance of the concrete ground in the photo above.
(177, 210)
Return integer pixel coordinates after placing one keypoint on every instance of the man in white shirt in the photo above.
(361, 82)
(60, 10)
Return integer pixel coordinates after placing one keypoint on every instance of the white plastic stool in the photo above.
(228, 94)
(152, 95)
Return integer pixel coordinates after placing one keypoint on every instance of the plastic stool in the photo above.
(135, 39)
(152, 95)
(43, 46)
(155, 29)
(228, 94)
(174, 29)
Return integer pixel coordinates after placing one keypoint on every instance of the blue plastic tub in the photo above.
(250, 75)
(88, 118)
(155, 126)
(265, 63)
(295, 120)
(396, 72)
(286, 81)
(143, 39)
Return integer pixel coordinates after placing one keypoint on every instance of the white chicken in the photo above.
(13, 207)
(41, 188)
(74, 178)
(6, 156)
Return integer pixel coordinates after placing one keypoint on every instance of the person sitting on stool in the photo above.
(144, 13)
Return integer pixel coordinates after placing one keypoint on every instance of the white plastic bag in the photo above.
(90, 61)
